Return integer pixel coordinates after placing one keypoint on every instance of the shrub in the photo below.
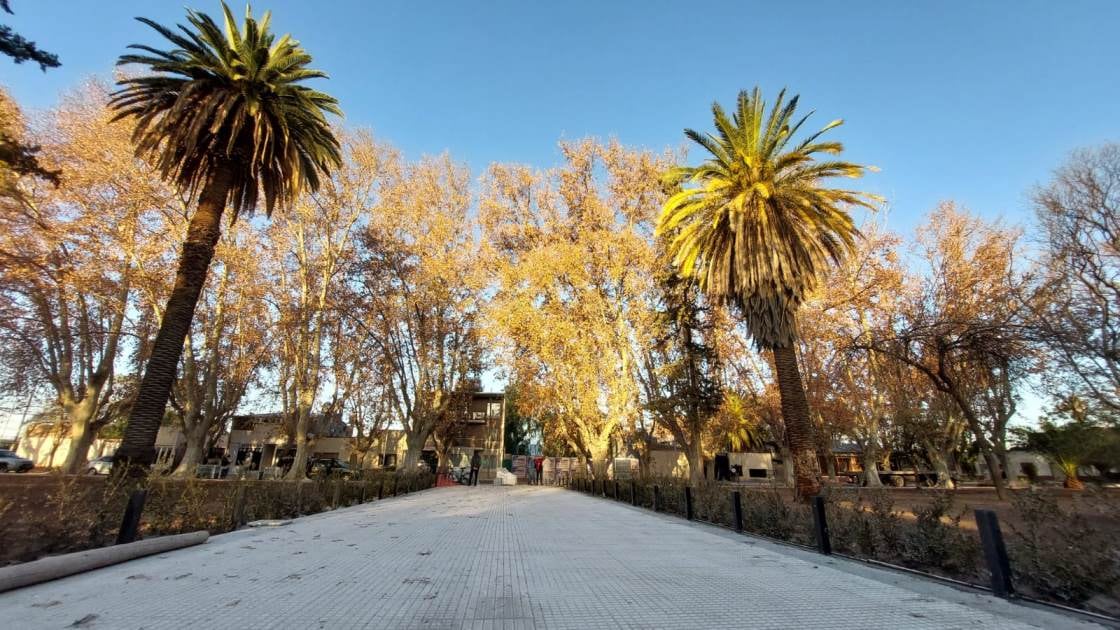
(53, 514)
(1066, 555)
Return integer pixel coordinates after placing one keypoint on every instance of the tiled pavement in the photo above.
(500, 557)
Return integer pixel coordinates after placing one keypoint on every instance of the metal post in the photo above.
(337, 496)
(688, 502)
(656, 497)
(633, 493)
(396, 485)
(995, 552)
(616, 493)
(299, 498)
(130, 524)
(820, 522)
(362, 494)
(380, 489)
(737, 510)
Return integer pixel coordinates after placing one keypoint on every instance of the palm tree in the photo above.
(223, 116)
(757, 227)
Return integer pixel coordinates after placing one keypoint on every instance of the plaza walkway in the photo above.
(492, 557)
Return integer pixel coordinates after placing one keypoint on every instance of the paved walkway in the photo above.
(492, 557)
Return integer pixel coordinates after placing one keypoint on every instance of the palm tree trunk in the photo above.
(137, 450)
(799, 429)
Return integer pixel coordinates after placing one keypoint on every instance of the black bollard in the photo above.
(820, 523)
(688, 502)
(380, 489)
(616, 493)
(656, 497)
(130, 524)
(633, 493)
(737, 510)
(995, 552)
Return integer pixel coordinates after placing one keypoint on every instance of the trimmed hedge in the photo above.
(52, 514)
(1064, 546)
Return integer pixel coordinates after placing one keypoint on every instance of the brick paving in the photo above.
(497, 558)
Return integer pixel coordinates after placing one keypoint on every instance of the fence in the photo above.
(1056, 547)
(51, 514)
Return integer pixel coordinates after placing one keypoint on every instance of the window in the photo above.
(757, 473)
(6, 453)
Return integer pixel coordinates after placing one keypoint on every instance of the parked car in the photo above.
(329, 467)
(100, 466)
(10, 462)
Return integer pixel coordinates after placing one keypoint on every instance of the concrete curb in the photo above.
(54, 567)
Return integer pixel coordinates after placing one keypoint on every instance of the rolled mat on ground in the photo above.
(55, 567)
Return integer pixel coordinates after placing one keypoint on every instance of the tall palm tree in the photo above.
(223, 116)
(757, 226)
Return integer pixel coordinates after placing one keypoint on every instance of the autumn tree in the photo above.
(422, 293)
(964, 329)
(227, 348)
(680, 367)
(72, 256)
(311, 248)
(572, 253)
(358, 384)
(851, 390)
(1077, 315)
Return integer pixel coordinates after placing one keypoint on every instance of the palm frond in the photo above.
(756, 225)
(230, 99)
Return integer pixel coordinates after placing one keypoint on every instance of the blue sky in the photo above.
(973, 101)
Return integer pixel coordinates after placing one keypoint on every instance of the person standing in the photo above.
(476, 463)
(538, 465)
(530, 471)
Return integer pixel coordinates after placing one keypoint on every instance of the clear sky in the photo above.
(975, 101)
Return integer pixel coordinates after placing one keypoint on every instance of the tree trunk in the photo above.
(1001, 453)
(830, 465)
(192, 455)
(941, 465)
(303, 446)
(598, 454)
(871, 468)
(137, 450)
(415, 443)
(81, 438)
(995, 471)
(799, 429)
(695, 462)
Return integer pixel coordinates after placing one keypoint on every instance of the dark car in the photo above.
(329, 467)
